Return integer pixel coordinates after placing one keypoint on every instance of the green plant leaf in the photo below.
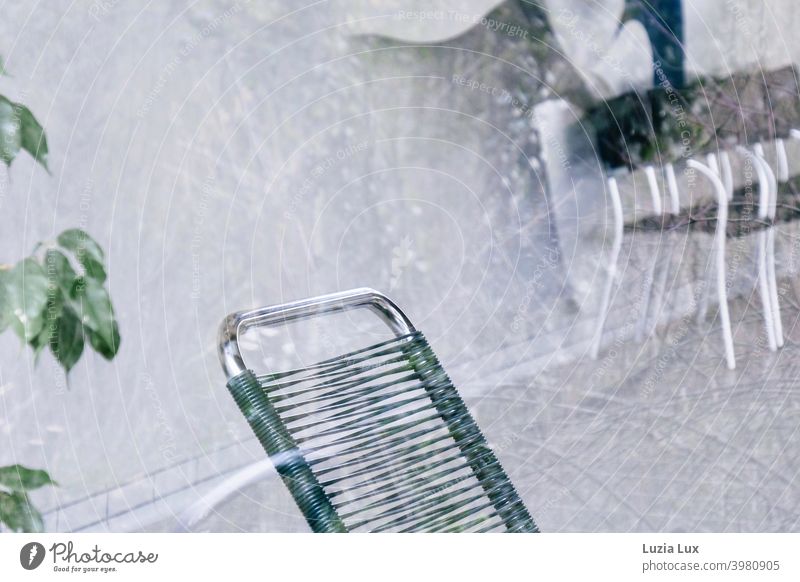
(10, 134)
(17, 512)
(97, 316)
(41, 340)
(19, 129)
(60, 278)
(52, 315)
(26, 298)
(60, 273)
(67, 340)
(106, 349)
(19, 478)
(33, 139)
(86, 251)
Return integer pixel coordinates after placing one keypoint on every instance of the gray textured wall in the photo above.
(231, 155)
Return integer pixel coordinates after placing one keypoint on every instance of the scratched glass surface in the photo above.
(229, 156)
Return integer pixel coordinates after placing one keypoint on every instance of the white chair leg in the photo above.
(616, 247)
(719, 242)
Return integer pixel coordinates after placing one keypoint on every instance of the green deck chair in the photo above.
(376, 439)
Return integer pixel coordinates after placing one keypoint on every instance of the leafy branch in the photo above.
(19, 129)
(16, 510)
(54, 298)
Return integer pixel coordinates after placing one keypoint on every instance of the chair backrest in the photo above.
(376, 439)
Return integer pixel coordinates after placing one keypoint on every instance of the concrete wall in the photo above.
(231, 155)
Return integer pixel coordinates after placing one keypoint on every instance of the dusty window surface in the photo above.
(234, 155)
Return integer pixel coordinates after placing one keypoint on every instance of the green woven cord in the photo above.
(379, 440)
(282, 449)
(470, 440)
